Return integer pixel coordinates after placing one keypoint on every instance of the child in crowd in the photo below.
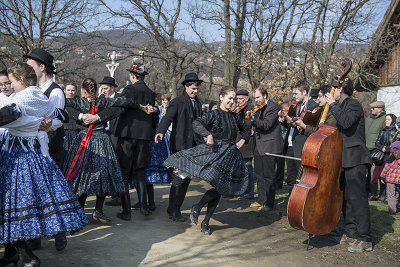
(391, 172)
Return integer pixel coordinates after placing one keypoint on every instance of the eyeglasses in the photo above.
(5, 84)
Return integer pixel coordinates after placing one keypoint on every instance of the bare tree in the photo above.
(231, 17)
(25, 24)
(158, 20)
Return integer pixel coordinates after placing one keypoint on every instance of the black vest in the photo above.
(56, 138)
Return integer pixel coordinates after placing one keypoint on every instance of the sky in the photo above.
(214, 32)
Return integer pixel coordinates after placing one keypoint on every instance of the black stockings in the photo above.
(211, 198)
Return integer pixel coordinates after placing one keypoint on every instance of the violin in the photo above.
(237, 111)
(256, 109)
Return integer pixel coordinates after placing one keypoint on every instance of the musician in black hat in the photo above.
(42, 63)
(181, 112)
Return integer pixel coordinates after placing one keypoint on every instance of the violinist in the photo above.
(247, 150)
(356, 159)
(294, 140)
(307, 130)
(268, 137)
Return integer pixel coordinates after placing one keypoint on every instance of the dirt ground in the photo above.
(241, 236)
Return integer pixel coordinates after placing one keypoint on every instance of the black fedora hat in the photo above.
(137, 68)
(108, 80)
(43, 57)
(191, 77)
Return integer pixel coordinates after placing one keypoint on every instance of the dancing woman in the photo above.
(91, 166)
(35, 199)
(218, 161)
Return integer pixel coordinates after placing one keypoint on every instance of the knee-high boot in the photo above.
(126, 207)
(142, 196)
(150, 196)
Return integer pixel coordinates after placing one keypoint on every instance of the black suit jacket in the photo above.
(268, 130)
(298, 139)
(134, 123)
(180, 113)
(350, 120)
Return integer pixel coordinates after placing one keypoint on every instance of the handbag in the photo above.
(377, 156)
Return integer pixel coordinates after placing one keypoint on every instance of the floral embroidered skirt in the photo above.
(35, 199)
(155, 172)
(221, 165)
(69, 139)
(99, 172)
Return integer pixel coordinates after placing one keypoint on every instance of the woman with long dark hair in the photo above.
(218, 161)
(91, 166)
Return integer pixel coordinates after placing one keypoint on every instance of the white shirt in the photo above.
(4, 99)
(57, 98)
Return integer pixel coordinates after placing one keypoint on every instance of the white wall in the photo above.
(391, 96)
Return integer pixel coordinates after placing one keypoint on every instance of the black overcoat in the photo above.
(180, 113)
(350, 120)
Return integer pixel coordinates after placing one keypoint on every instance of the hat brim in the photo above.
(187, 81)
(113, 84)
(134, 72)
(51, 67)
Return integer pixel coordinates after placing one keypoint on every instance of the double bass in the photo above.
(316, 201)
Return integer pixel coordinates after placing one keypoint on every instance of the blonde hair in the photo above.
(24, 74)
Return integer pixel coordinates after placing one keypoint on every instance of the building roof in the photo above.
(385, 37)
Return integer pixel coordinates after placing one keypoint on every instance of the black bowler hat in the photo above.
(242, 92)
(137, 68)
(314, 92)
(108, 80)
(191, 77)
(43, 57)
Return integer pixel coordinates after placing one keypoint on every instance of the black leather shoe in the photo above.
(176, 216)
(136, 206)
(194, 215)
(100, 216)
(34, 243)
(152, 207)
(205, 229)
(6, 261)
(60, 241)
(143, 210)
(126, 216)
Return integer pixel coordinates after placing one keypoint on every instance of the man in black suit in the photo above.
(134, 129)
(355, 161)
(181, 112)
(294, 141)
(268, 137)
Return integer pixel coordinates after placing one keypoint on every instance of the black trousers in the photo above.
(133, 156)
(293, 168)
(264, 172)
(356, 209)
(280, 172)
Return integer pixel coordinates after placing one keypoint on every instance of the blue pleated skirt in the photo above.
(35, 199)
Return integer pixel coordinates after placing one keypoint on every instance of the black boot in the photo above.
(126, 208)
(142, 196)
(29, 259)
(171, 199)
(175, 211)
(150, 196)
(60, 241)
(10, 255)
(34, 243)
